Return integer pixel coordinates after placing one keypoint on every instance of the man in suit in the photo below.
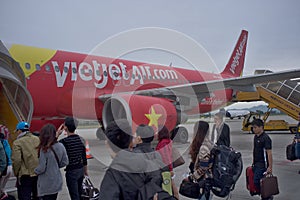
(221, 131)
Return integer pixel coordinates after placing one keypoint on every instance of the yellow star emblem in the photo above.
(153, 117)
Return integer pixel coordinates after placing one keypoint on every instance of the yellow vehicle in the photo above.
(282, 95)
(271, 125)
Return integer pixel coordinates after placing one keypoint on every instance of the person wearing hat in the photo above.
(4, 134)
(24, 161)
(143, 139)
(262, 153)
(129, 175)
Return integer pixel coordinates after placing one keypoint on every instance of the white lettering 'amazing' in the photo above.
(239, 53)
(101, 72)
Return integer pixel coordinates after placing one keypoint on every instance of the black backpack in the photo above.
(227, 168)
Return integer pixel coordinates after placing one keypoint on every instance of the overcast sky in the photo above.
(73, 25)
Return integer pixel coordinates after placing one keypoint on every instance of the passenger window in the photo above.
(126, 75)
(56, 68)
(38, 67)
(66, 69)
(27, 65)
(47, 67)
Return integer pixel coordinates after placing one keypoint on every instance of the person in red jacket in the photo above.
(164, 147)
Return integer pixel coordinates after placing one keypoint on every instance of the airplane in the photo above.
(236, 113)
(100, 88)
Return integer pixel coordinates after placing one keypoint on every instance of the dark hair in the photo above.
(71, 124)
(257, 122)
(220, 115)
(145, 132)
(47, 137)
(118, 134)
(200, 131)
(163, 133)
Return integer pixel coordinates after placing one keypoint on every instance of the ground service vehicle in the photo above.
(282, 95)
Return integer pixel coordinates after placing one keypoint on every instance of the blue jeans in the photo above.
(258, 174)
(74, 179)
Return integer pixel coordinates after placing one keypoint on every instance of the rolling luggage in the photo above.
(250, 181)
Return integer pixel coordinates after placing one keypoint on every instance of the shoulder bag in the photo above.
(177, 158)
(56, 157)
(269, 186)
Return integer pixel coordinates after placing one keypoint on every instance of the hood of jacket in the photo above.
(133, 162)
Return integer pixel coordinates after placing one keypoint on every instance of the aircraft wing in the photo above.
(244, 83)
(200, 90)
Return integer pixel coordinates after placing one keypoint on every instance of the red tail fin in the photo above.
(235, 64)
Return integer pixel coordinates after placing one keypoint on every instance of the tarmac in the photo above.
(286, 171)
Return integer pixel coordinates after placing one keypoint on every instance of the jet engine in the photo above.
(139, 109)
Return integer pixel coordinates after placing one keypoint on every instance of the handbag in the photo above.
(297, 150)
(177, 158)
(190, 189)
(291, 152)
(167, 184)
(88, 190)
(269, 186)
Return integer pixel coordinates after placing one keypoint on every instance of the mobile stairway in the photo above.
(282, 95)
(15, 100)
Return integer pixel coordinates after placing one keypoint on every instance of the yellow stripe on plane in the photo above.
(31, 55)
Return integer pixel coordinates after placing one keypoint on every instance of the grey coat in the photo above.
(49, 175)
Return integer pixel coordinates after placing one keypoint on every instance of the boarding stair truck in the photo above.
(282, 95)
(15, 100)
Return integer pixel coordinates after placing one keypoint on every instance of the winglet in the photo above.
(235, 64)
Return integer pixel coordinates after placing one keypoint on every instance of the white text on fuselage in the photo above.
(238, 54)
(100, 73)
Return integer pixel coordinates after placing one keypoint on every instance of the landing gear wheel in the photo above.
(100, 134)
(180, 134)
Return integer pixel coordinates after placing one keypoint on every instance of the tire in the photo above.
(180, 134)
(100, 134)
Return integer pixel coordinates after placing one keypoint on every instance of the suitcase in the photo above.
(291, 152)
(269, 186)
(250, 181)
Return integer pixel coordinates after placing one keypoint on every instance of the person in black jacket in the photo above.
(221, 131)
(130, 176)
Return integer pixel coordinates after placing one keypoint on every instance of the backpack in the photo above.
(5, 170)
(227, 168)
